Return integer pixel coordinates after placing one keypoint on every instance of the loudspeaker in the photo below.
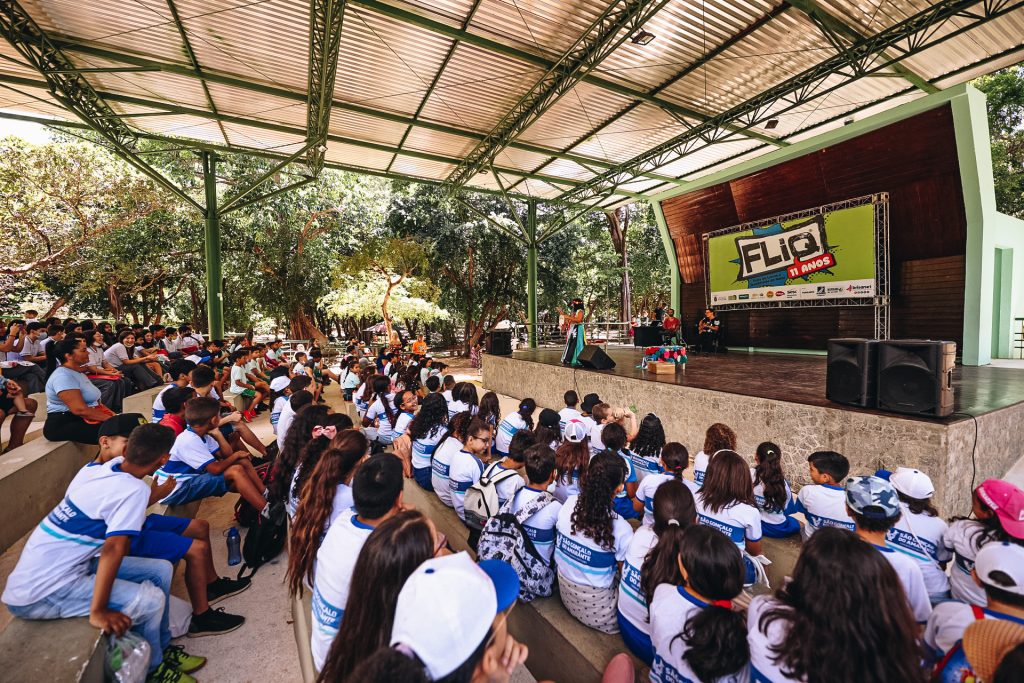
(594, 357)
(851, 374)
(499, 343)
(915, 376)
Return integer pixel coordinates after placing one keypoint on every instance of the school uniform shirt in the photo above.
(423, 448)
(671, 609)
(350, 381)
(64, 379)
(950, 619)
(376, 412)
(645, 493)
(920, 537)
(401, 425)
(116, 355)
(357, 398)
(447, 393)
(284, 421)
(440, 469)
(567, 486)
(631, 477)
(276, 410)
(507, 428)
(762, 644)
(456, 407)
(190, 455)
(507, 487)
(580, 559)
(566, 414)
(464, 471)
(237, 375)
(964, 538)
(336, 558)
(540, 526)
(769, 513)
(101, 501)
(158, 404)
(913, 583)
(823, 505)
(596, 444)
(645, 465)
(700, 467)
(632, 603)
(739, 521)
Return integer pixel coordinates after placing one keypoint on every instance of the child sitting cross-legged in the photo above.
(823, 503)
(76, 563)
(199, 467)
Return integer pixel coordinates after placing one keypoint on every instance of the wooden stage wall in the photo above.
(915, 161)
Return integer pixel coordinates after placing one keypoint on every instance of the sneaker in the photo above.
(223, 587)
(213, 622)
(165, 673)
(176, 656)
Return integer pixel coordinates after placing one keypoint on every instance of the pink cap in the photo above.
(1007, 501)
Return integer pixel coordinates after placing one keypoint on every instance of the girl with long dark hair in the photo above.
(674, 460)
(363, 394)
(463, 398)
(489, 409)
(571, 460)
(547, 430)
(842, 618)
(426, 431)
(726, 503)
(651, 560)
(646, 447)
(327, 495)
(391, 553)
(695, 632)
(772, 495)
(309, 456)
(298, 435)
(380, 417)
(591, 545)
(718, 437)
(522, 418)
(441, 461)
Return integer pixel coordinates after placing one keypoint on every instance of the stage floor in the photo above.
(797, 378)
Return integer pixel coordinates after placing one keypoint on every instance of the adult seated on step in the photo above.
(19, 407)
(73, 408)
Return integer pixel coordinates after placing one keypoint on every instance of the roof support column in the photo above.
(675, 276)
(214, 276)
(531, 270)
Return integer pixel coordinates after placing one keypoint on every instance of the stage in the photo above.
(781, 398)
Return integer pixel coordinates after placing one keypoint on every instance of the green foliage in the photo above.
(1005, 92)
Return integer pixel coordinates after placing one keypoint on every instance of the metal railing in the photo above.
(549, 334)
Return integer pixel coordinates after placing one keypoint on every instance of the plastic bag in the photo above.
(180, 616)
(127, 659)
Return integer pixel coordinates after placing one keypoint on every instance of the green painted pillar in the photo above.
(214, 277)
(670, 255)
(531, 270)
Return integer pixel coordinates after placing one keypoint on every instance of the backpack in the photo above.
(265, 539)
(246, 515)
(481, 501)
(504, 538)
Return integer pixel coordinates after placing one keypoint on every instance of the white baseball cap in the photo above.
(912, 483)
(447, 606)
(1007, 558)
(279, 383)
(575, 431)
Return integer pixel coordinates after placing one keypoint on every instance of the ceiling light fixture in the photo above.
(642, 37)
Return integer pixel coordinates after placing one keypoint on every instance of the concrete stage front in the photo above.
(781, 398)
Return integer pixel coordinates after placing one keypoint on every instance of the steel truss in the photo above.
(620, 20)
(860, 58)
(325, 21)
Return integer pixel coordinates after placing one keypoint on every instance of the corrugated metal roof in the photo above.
(413, 99)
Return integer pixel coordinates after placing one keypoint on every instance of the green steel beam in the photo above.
(191, 55)
(531, 270)
(916, 33)
(273, 193)
(463, 36)
(73, 91)
(604, 35)
(105, 70)
(325, 21)
(841, 33)
(675, 276)
(211, 243)
(519, 237)
(228, 203)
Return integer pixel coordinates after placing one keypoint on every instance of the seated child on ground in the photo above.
(772, 494)
(823, 503)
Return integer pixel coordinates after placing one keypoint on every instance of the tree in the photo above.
(618, 230)
(355, 302)
(1005, 92)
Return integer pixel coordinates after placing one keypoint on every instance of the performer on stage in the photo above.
(573, 325)
(707, 331)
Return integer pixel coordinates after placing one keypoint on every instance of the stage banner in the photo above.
(820, 255)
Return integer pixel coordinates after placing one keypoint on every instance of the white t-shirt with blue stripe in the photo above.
(158, 404)
(540, 527)
(464, 471)
(566, 414)
(190, 456)
(580, 559)
(823, 505)
(649, 486)
(632, 603)
(507, 428)
(423, 447)
(739, 521)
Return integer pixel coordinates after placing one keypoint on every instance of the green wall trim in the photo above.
(675, 276)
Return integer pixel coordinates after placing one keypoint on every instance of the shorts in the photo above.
(205, 485)
(161, 539)
(422, 477)
(227, 430)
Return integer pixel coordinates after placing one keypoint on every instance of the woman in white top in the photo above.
(327, 495)
(718, 437)
(726, 503)
(426, 431)
(919, 530)
(591, 544)
(772, 495)
(843, 617)
(512, 423)
(651, 561)
(697, 636)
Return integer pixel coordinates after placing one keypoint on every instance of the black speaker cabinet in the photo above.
(499, 343)
(594, 357)
(850, 374)
(915, 376)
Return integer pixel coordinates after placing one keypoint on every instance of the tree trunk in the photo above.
(618, 229)
(56, 306)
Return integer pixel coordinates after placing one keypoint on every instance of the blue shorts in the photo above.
(624, 506)
(422, 477)
(227, 430)
(787, 528)
(161, 539)
(201, 486)
(638, 642)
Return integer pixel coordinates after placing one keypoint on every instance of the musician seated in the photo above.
(708, 330)
(670, 328)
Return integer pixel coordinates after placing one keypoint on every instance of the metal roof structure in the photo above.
(552, 100)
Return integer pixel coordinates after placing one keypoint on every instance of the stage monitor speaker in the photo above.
(850, 373)
(499, 343)
(915, 376)
(595, 358)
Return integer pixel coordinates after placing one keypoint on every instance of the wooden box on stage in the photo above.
(661, 368)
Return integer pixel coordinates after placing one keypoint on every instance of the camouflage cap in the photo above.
(872, 497)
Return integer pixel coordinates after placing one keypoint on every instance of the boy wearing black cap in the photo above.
(586, 408)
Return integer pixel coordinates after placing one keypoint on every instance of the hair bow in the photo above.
(329, 431)
(727, 604)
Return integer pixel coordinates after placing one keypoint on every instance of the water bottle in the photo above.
(234, 547)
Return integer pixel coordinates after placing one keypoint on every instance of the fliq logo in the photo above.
(800, 250)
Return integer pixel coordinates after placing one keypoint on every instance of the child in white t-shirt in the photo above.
(823, 503)
(539, 462)
(467, 465)
(717, 437)
(569, 412)
(674, 459)
(426, 430)
(512, 423)
(726, 502)
(919, 530)
(772, 495)
(571, 459)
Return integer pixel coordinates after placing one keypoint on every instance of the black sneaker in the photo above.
(223, 587)
(213, 622)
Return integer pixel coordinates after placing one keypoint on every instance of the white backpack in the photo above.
(481, 502)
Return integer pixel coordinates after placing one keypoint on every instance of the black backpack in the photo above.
(265, 539)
